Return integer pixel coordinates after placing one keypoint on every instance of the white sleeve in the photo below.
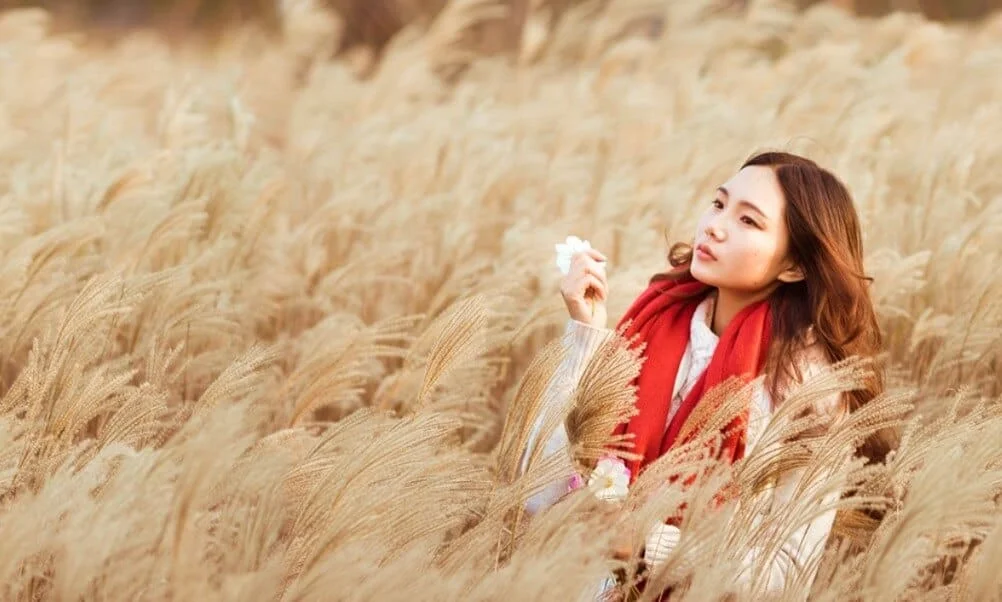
(661, 540)
(580, 341)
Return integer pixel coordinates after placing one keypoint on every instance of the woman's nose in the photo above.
(714, 231)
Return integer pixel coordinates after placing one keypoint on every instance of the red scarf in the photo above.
(661, 316)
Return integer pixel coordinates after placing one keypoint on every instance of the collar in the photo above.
(701, 336)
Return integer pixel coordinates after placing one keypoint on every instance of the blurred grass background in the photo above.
(372, 23)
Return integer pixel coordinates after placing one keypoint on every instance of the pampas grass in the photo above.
(271, 331)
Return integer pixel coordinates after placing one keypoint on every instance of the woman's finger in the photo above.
(596, 271)
(591, 281)
(585, 263)
(596, 255)
(590, 257)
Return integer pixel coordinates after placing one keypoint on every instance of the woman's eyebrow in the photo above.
(748, 204)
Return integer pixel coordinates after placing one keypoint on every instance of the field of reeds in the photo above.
(275, 331)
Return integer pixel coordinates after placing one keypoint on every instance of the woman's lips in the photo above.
(705, 253)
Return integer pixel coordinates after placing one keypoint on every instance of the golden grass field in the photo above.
(263, 320)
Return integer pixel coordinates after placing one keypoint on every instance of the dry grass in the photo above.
(263, 321)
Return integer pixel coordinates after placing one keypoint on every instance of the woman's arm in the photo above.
(798, 553)
(801, 550)
(580, 341)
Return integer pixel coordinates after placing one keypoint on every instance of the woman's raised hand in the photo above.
(585, 290)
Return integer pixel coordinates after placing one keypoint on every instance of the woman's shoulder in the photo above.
(810, 354)
(812, 361)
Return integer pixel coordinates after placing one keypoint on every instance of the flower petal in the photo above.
(608, 465)
(607, 495)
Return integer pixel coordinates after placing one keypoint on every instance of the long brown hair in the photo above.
(834, 297)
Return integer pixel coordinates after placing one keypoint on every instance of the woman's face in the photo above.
(741, 242)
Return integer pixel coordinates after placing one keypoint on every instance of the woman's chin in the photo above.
(700, 272)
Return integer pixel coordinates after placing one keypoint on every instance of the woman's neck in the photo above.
(730, 303)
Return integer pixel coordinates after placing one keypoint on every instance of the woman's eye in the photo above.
(716, 203)
(749, 221)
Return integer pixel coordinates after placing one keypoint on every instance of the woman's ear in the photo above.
(791, 274)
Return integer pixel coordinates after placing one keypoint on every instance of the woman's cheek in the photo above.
(751, 269)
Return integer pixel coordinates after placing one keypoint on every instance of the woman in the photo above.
(773, 284)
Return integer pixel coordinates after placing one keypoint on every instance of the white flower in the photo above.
(567, 250)
(610, 480)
